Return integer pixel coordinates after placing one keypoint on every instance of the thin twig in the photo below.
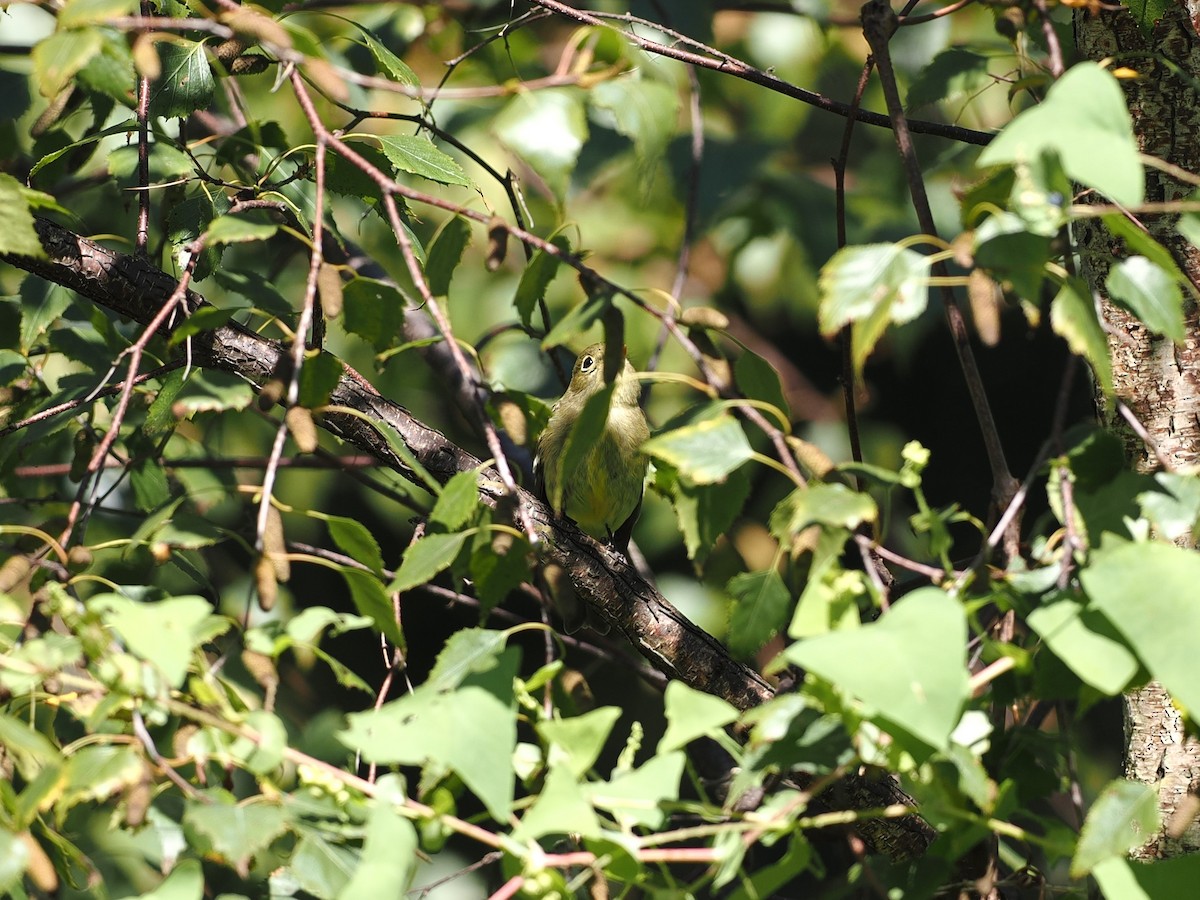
(1053, 48)
(879, 24)
(839, 176)
(710, 58)
(142, 238)
(53, 411)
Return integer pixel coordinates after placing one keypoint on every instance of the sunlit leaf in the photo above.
(1123, 817)
(760, 610)
(416, 154)
(923, 692)
(1073, 316)
(61, 55)
(17, 234)
(705, 452)
(871, 287)
(692, 714)
(547, 129)
(1084, 120)
(1119, 576)
(186, 83)
(1150, 293)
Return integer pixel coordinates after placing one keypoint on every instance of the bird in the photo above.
(602, 494)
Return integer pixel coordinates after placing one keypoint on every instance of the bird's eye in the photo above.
(587, 364)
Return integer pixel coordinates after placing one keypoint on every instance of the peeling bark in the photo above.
(1157, 380)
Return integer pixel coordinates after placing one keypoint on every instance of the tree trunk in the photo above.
(1157, 380)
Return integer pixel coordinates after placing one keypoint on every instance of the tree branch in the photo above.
(675, 646)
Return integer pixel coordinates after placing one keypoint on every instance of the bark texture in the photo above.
(1158, 380)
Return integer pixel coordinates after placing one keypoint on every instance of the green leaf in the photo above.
(236, 832)
(319, 376)
(1163, 879)
(78, 13)
(396, 68)
(871, 286)
(458, 501)
(426, 557)
(346, 178)
(1174, 508)
(1139, 243)
(1123, 817)
(692, 714)
(264, 754)
(122, 128)
(760, 610)
(59, 57)
(306, 627)
(821, 504)
(1150, 293)
(642, 109)
(634, 798)
(374, 310)
(12, 366)
(41, 305)
(759, 381)
(769, 880)
(1013, 253)
(953, 73)
(496, 574)
(1083, 639)
(1073, 317)
(186, 83)
(832, 597)
(578, 320)
(371, 600)
(188, 220)
(98, 772)
(445, 253)
(921, 692)
(110, 72)
(1084, 120)
(1118, 580)
(1146, 13)
(17, 234)
(561, 808)
(238, 230)
(704, 452)
(389, 855)
(536, 279)
(186, 882)
(320, 867)
(14, 859)
(355, 540)
(471, 730)
(416, 154)
(547, 129)
(30, 749)
(575, 743)
(163, 633)
(167, 163)
(705, 511)
(149, 482)
(471, 651)
(160, 417)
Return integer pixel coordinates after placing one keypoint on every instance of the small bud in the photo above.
(704, 317)
(329, 286)
(264, 580)
(300, 424)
